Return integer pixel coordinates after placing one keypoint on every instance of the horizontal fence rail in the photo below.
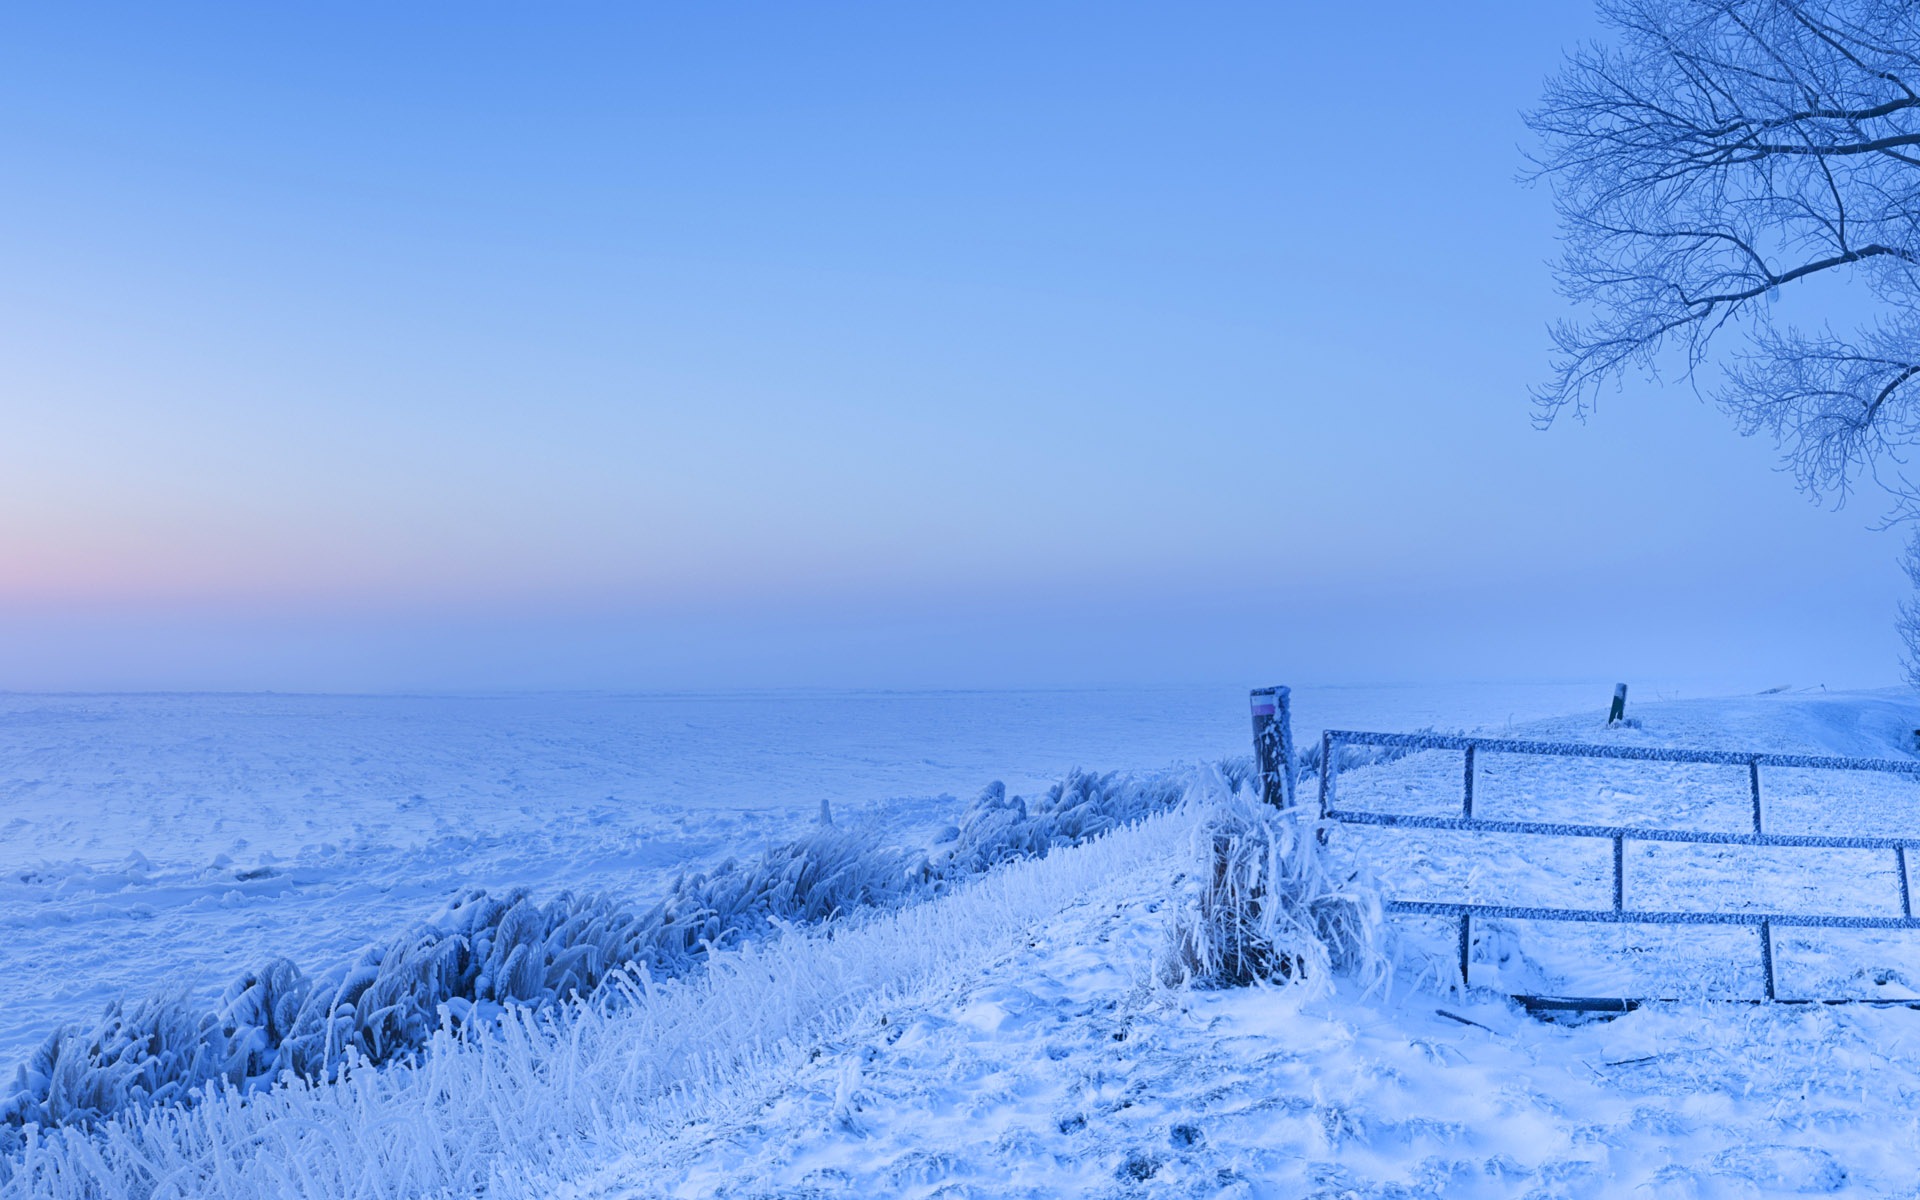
(1638, 833)
(1464, 912)
(1725, 758)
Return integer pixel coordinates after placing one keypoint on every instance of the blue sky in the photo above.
(843, 345)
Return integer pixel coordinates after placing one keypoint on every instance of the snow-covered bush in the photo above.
(1268, 908)
(484, 953)
(1080, 807)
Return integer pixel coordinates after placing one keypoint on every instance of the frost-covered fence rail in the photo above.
(1765, 922)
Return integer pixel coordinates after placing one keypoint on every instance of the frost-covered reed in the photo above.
(1268, 907)
(488, 961)
(539, 1092)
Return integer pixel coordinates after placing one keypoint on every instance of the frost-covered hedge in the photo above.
(486, 952)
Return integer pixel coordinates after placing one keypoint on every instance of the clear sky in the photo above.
(668, 346)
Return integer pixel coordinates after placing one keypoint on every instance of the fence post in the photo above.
(1766, 955)
(1619, 710)
(1906, 895)
(1466, 948)
(1273, 744)
(1326, 773)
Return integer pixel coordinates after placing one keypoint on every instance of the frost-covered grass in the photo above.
(487, 954)
(484, 952)
(1267, 908)
(483, 1107)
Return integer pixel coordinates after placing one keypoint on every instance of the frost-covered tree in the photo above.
(1716, 155)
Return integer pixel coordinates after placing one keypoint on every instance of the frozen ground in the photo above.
(174, 841)
(1059, 1070)
(1010, 1040)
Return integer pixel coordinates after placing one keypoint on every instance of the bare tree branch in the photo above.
(1720, 154)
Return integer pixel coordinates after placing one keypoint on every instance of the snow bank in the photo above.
(485, 954)
(1052, 1073)
(482, 1106)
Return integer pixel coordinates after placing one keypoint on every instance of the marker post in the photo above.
(1273, 744)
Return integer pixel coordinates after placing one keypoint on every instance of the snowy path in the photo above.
(1059, 1071)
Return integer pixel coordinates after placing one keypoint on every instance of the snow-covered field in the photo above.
(1011, 1037)
(175, 841)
